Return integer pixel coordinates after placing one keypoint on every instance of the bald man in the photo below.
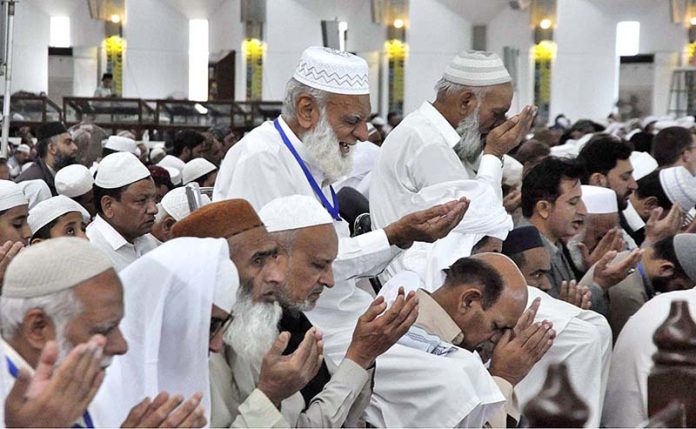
(480, 305)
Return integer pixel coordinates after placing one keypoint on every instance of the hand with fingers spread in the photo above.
(506, 136)
(579, 296)
(512, 200)
(375, 334)
(56, 397)
(520, 348)
(283, 375)
(167, 412)
(609, 272)
(656, 229)
(612, 240)
(7, 252)
(426, 225)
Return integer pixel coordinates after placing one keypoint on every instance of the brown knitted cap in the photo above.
(222, 219)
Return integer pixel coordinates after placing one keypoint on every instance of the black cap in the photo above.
(521, 239)
(50, 129)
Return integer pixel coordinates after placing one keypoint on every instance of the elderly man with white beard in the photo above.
(463, 134)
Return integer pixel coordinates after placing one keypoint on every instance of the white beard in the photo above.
(65, 347)
(324, 151)
(254, 328)
(469, 147)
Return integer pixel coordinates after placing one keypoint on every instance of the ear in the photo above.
(37, 328)
(51, 147)
(666, 268)
(107, 204)
(598, 179)
(307, 111)
(543, 208)
(468, 298)
(168, 224)
(650, 203)
(466, 103)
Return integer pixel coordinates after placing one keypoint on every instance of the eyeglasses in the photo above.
(218, 325)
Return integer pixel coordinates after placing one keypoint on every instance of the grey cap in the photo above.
(685, 249)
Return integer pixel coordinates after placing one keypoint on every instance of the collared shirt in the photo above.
(120, 251)
(419, 153)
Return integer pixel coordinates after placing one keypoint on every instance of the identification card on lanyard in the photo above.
(331, 208)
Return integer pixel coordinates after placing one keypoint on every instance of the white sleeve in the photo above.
(491, 171)
(363, 256)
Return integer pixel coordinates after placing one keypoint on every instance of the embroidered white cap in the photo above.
(643, 164)
(174, 175)
(36, 191)
(175, 203)
(73, 181)
(120, 169)
(46, 211)
(11, 195)
(476, 68)
(196, 168)
(294, 212)
(333, 71)
(680, 187)
(122, 144)
(599, 200)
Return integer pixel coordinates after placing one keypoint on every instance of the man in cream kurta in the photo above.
(260, 168)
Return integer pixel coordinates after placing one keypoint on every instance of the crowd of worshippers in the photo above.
(335, 269)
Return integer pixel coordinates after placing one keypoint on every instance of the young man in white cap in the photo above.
(76, 182)
(19, 158)
(463, 134)
(632, 360)
(643, 164)
(57, 217)
(56, 150)
(79, 297)
(124, 195)
(201, 171)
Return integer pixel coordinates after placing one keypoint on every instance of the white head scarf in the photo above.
(168, 296)
(486, 216)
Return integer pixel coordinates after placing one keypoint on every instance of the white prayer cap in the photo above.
(648, 120)
(23, 148)
(35, 190)
(122, 144)
(71, 260)
(172, 161)
(11, 195)
(197, 167)
(175, 203)
(477, 68)
(156, 153)
(73, 181)
(633, 133)
(599, 200)
(379, 121)
(686, 122)
(293, 212)
(643, 164)
(174, 175)
(680, 187)
(46, 211)
(120, 169)
(333, 71)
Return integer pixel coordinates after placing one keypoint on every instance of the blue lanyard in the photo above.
(14, 372)
(331, 208)
(646, 283)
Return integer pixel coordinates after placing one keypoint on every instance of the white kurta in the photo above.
(626, 404)
(259, 168)
(418, 153)
(364, 160)
(121, 252)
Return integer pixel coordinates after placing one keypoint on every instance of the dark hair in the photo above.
(518, 258)
(531, 150)
(664, 249)
(543, 182)
(391, 115)
(45, 232)
(107, 76)
(670, 143)
(602, 153)
(650, 186)
(42, 146)
(474, 271)
(103, 192)
(106, 151)
(642, 141)
(203, 178)
(186, 139)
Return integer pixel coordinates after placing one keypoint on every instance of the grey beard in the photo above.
(254, 328)
(469, 147)
(324, 151)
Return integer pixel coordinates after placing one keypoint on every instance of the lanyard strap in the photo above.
(331, 208)
(14, 372)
